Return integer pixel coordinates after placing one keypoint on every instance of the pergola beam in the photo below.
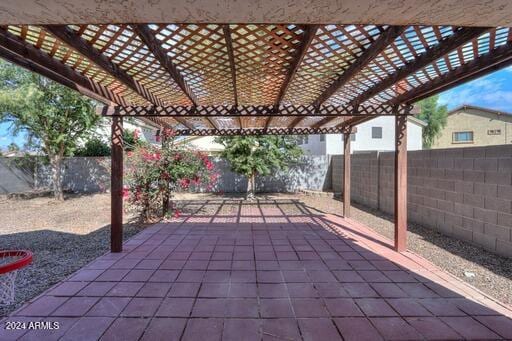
(154, 46)
(73, 40)
(248, 111)
(457, 39)
(232, 65)
(498, 58)
(257, 131)
(379, 45)
(300, 53)
(21, 53)
(376, 48)
(461, 37)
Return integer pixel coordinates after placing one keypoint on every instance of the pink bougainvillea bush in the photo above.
(153, 173)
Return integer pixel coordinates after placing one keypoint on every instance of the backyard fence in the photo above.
(91, 174)
(463, 192)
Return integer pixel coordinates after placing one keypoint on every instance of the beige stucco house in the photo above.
(470, 126)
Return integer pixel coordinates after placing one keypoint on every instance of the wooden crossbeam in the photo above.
(300, 53)
(460, 37)
(21, 53)
(247, 111)
(499, 58)
(232, 64)
(457, 39)
(376, 48)
(153, 45)
(379, 45)
(257, 131)
(73, 40)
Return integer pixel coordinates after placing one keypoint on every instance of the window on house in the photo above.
(462, 137)
(322, 137)
(494, 132)
(376, 132)
(352, 137)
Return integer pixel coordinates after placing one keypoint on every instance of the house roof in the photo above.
(474, 107)
(417, 121)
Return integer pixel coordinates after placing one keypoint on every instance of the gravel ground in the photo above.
(66, 236)
(63, 237)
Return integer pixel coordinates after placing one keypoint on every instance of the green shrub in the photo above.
(94, 147)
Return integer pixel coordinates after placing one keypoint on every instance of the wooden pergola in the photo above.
(257, 78)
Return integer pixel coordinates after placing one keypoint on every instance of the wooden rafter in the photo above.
(152, 43)
(379, 45)
(27, 56)
(257, 131)
(459, 38)
(232, 66)
(384, 39)
(19, 52)
(125, 65)
(499, 58)
(247, 111)
(73, 40)
(309, 35)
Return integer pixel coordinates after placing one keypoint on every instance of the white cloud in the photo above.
(491, 91)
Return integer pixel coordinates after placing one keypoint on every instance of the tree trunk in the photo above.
(251, 187)
(56, 164)
(165, 199)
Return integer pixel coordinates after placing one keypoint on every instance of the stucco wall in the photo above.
(464, 192)
(333, 143)
(86, 175)
(479, 122)
(14, 177)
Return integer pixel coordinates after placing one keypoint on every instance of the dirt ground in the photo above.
(66, 236)
(63, 237)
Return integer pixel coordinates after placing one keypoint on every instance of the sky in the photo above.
(493, 91)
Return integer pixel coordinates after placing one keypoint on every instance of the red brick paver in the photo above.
(262, 278)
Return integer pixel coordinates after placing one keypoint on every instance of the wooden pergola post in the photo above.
(116, 186)
(400, 183)
(346, 171)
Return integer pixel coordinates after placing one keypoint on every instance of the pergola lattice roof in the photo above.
(219, 79)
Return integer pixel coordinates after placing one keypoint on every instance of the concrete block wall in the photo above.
(90, 174)
(13, 177)
(364, 177)
(465, 192)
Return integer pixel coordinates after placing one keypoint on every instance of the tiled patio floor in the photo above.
(265, 277)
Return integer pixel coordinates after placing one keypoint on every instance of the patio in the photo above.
(253, 273)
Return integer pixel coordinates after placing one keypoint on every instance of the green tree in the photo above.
(54, 117)
(94, 147)
(13, 147)
(435, 116)
(259, 155)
